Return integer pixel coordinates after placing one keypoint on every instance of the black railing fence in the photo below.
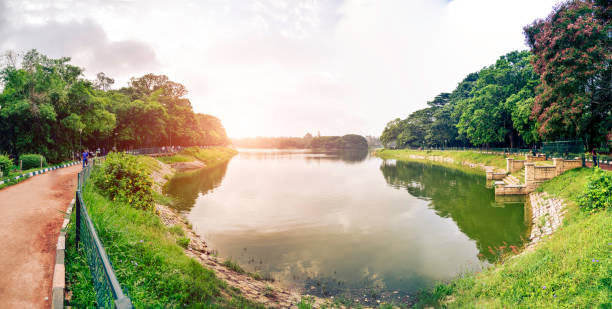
(108, 290)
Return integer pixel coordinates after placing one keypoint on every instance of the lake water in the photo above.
(347, 223)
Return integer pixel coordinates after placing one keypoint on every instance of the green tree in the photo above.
(572, 49)
(486, 116)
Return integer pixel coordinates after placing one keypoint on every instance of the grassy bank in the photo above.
(498, 161)
(209, 156)
(148, 259)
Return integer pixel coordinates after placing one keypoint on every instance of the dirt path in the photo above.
(30, 221)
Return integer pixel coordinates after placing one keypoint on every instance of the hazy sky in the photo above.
(281, 68)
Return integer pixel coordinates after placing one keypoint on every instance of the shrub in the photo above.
(183, 242)
(124, 178)
(5, 164)
(29, 161)
(598, 192)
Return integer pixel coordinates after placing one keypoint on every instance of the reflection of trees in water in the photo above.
(344, 155)
(465, 199)
(184, 188)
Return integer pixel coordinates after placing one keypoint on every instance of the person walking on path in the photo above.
(594, 153)
(85, 155)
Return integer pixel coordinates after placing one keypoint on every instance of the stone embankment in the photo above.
(546, 216)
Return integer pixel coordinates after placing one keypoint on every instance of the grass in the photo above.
(209, 156)
(176, 159)
(148, 260)
(498, 161)
(150, 163)
(229, 263)
(571, 268)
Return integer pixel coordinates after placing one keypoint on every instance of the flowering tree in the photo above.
(572, 56)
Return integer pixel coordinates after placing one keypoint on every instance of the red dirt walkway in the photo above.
(30, 221)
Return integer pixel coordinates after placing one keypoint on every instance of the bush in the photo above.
(5, 164)
(124, 178)
(598, 192)
(31, 160)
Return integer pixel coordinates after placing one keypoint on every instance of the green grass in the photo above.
(498, 161)
(210, 156)
(570, 269)
(150, 163)
(176, 159)
(148, 261)
(229, 263)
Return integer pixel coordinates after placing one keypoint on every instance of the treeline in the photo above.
(47, 107)
(559, 90)
(349, 141)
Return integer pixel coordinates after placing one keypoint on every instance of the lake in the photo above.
(348, 223)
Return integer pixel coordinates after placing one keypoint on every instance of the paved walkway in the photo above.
(30, 221)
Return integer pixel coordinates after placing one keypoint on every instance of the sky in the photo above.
(281, 68)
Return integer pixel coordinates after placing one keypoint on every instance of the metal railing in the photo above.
(108, 290)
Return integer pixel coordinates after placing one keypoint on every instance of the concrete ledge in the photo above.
(59, 272)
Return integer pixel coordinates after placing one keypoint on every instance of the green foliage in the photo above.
(49, 108)
(6, 164)
(29, 161)
(306, 303)
(598, 192)
(183, 242)
(125, 179)
(177, 230)
(349, 141)
(573, 59)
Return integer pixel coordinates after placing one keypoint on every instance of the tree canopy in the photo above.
(559, 90)
(48, 107)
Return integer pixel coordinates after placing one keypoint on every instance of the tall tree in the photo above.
(486, 116)
(572, 49)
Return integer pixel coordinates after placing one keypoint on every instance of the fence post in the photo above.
(77, 203)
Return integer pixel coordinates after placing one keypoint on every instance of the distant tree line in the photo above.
(559, 90)
(48, 107)
(349, 141)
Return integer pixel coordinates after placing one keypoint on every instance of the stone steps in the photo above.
(511, 180)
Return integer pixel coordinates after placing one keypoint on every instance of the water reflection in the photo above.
(464, 198)
(330, 224)
(185, 187)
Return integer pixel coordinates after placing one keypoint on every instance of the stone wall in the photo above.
(514, 165)
(492, 175)
(501, 188)
(535, 175)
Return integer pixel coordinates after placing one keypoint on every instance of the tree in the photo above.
(572, 49)
(103, 82)
(213, 132)
(486, 116)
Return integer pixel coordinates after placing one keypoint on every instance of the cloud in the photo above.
(85, 41)
(268, 67)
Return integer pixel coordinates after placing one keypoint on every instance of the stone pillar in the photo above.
(530, 174)
(509, 165)
(559, 166)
